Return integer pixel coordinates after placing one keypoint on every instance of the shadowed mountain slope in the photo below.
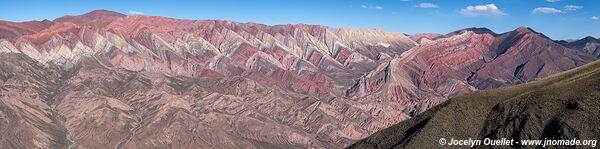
(460, 62)
(562, 106)
(588, 45)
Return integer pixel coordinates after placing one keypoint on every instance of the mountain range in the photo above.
(563, 106)
(104, 79)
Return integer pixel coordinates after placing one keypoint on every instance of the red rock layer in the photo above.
(103, 79)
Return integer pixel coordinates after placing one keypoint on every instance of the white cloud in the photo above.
(482, 10)
(136, 12)
(546, 10)
(595, 18)
(427, 5)
(552, 1)
(372, 7)
(572, 7)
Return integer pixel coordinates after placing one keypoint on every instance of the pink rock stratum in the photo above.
(106, 80)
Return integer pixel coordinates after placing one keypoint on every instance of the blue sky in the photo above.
(558, 19)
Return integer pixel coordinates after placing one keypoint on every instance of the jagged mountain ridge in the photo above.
(110, 65)
(588, 45)
(560, 107)
(212, 42)
(464, 61)
(317, 86)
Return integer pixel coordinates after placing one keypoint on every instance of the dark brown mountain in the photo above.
(105, 80)
(563, 106)
(589, 45)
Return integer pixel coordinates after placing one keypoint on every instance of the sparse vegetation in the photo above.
(562, 106)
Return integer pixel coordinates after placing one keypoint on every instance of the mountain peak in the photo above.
(92, 14)
(589, 38)
(479, 30)
(582, 42)
(563, 86)
(527, 30)
(103, 12)
(476, 30)
(524, 29)
(96, 18)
